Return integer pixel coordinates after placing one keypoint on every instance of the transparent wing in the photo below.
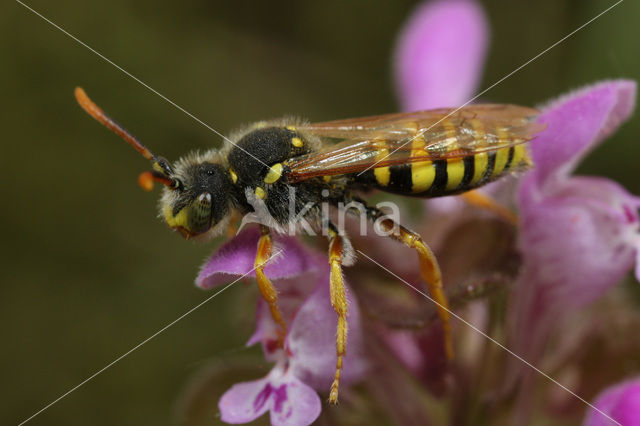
(355, 145)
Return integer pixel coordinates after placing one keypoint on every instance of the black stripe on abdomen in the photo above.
(400, 180)
(440, 181)
(489, 170)
(469, 170)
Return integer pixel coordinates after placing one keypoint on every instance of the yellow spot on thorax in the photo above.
(275, 172)
(297, 142)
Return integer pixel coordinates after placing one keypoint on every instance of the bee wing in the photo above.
(356, 145)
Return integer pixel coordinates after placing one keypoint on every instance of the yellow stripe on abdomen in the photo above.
(422, 176)
(520, 156)
(480, 164)
(502, 156)
(382, 174)
(455, 173)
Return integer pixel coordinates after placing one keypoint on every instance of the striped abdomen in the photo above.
(446, 176)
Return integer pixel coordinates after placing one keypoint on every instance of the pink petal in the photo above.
(312, 340)
(292, 293)
(299, 406)
(237, 257)
(243, 402)
(289, 401)
(620, 402)
(440, 54)
(577, 123)
(575, 245)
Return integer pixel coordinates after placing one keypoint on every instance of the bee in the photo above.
(272, 167)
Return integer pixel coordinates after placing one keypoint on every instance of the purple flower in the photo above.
(438, 63)
(440, 54)
(621, 402)
(308, 359)
(578, 235)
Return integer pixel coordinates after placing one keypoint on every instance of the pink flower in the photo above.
(621, 402)
(440, 54)
(308, 359)
(578, 235)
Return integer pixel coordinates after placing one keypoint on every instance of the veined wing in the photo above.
(356, 145)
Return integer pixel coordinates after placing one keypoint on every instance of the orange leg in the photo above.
(267, 290)
(478, 199)
(429, 269)
(339, 303)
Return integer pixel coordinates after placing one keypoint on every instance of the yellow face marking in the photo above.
(174, 221)
(382, 174)
(422, 175)
(297, 142)
(480, 163)
(455, 172)
(260, 193)
(234, 176)
(275, 172)
(326, 178)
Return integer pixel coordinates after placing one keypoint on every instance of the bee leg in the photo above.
(339, 303)
(429, 268)
(267, 290)
(478, 199)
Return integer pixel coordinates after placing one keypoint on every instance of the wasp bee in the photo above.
(273, 165)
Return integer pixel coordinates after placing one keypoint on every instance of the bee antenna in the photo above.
(94, 111)
(162, 171)
(146, 180)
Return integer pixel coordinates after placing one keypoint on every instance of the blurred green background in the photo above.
(88, 270)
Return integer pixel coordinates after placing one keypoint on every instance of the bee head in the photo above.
(196, 194)
(199, 203)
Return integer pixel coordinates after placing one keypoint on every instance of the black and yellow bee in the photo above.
(284, 165)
